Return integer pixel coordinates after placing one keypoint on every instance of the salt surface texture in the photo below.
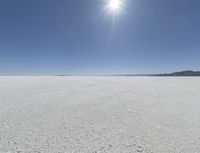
(99, 115)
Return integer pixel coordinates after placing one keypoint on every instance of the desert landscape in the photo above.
(87, 114)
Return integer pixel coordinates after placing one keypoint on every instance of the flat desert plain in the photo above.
(99, 114)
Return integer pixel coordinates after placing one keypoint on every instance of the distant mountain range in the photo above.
(182, 73)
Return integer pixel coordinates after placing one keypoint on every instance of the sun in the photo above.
(114, 5)
(114, 9)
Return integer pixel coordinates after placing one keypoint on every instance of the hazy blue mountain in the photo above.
(182, 73)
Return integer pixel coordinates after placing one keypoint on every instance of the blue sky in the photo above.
(79, 37)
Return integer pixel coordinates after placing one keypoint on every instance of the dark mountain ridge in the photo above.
(182, 73)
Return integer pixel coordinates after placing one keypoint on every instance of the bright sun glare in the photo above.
(114, 8)
(114, 4)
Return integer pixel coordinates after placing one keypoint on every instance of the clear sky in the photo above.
(81, 37)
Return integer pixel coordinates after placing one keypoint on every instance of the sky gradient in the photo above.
(49, 37)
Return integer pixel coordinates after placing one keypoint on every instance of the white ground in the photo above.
(99, 115)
